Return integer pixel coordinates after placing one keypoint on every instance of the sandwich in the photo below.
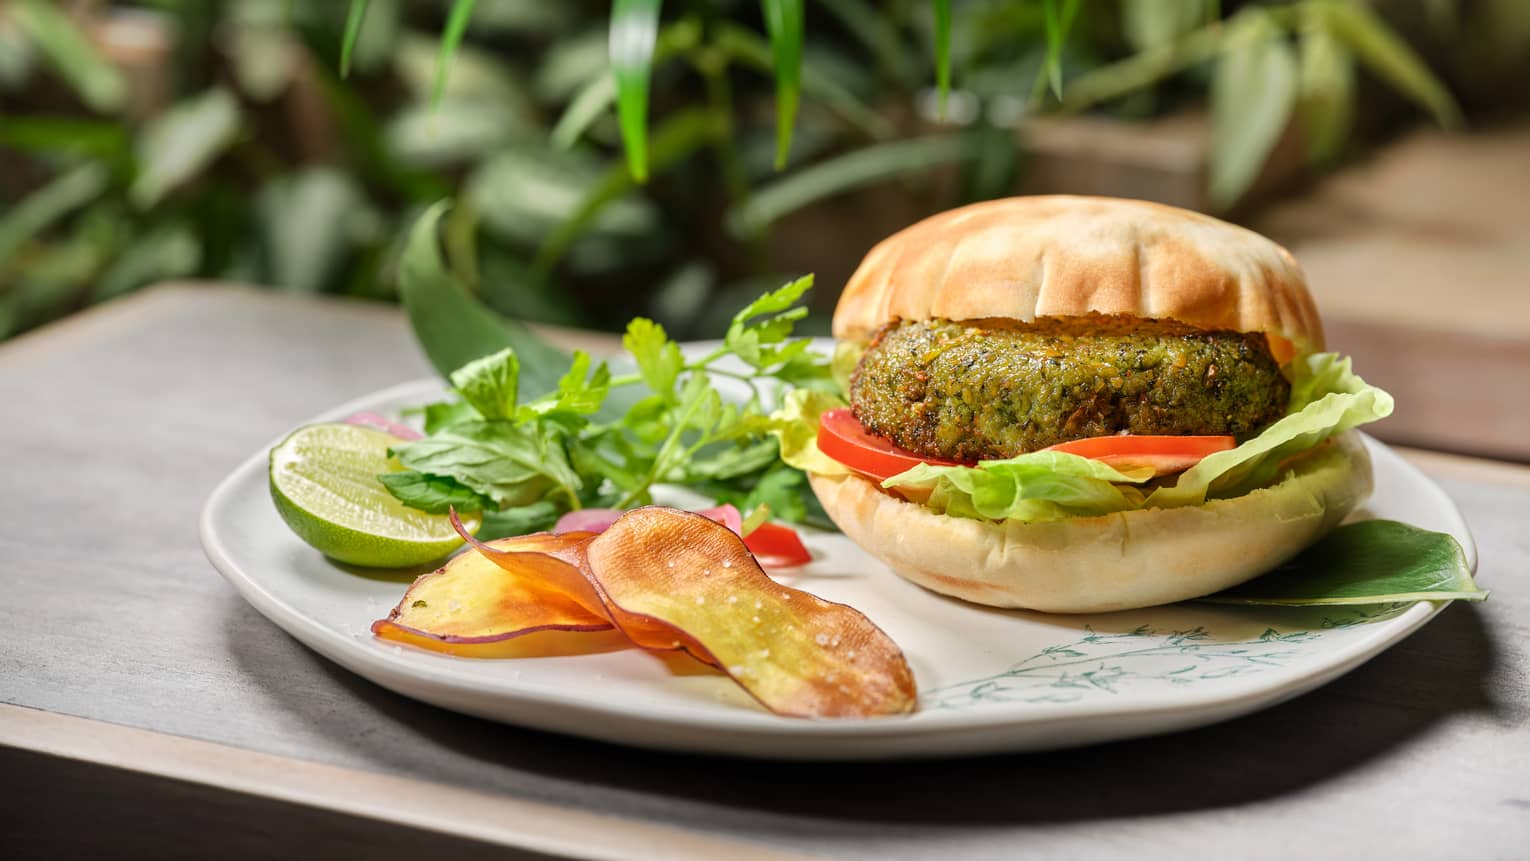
(1078, 404)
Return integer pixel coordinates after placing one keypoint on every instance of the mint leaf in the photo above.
(1370, 562)
(489, 384)
(521, 520)
(447, 413)
(512, 464)
(434, 494)
(658, 358)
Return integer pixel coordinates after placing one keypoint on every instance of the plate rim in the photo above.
(381, 666)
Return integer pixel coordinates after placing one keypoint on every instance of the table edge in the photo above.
(457, 811)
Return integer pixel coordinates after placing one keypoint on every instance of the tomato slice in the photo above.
(842, 437)
(777, 546)
(1165, 455)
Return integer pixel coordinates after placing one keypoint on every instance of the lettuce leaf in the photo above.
(1327, 398)
(795, 424)
(1041, 485)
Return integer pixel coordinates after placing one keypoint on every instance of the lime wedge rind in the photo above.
(323, 482)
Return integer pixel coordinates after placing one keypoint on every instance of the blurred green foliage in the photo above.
(607, 159)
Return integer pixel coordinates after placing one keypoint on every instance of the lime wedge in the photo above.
(324, 483)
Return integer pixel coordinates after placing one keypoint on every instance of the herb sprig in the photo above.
(524, 463)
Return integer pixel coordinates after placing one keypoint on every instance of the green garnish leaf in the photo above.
(595, 439)
(581, 391)
(512, 464)
(488, 384)
(1371, 562)
(435, 494)
(658, 358)
(453, 327)
(445, 414)
(539, 516)
(753, 339)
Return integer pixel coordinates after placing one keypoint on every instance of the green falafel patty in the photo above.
(993, 388)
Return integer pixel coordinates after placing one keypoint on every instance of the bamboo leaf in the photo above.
(451, 39)
(747, 47)
(1253, 90)
(677, 137)
(72, 55)
(453, 327)
(1058, 21)
(355, 16)
(176, 145)
(634, 32)
(304, 221)
(40, 209)
(876, 31)
(942, 53)
(837, 175)
(600, 92)
(783, 20)
(1383, 52)
(17, 58)
(63, 135)
(1326, 103)
(166, 251)
(587, 106)
(1142, 69)
(1150, 24)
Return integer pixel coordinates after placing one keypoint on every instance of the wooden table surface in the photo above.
(146, 709)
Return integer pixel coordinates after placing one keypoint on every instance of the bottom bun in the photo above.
(1116, 562)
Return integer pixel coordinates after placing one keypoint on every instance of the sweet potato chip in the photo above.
(669, 580)
(672, 579)
(559, 562)
(473, 599)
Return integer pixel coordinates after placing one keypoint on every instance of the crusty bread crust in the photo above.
(1097, 564)
(1061, 256)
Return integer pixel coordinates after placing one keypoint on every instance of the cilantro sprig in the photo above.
(525, 463)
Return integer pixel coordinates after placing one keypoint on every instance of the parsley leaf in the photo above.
(580, 392)
(658, 358)
(753, 341)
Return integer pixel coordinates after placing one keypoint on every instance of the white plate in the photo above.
(990, 680)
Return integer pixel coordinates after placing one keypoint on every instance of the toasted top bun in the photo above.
(1062, 256)
(1130, 559)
